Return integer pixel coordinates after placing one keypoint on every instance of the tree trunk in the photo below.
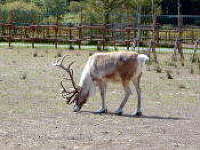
(107, 18)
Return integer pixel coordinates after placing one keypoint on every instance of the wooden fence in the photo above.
(100, 35)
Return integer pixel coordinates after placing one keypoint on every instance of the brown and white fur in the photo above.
(122, 67)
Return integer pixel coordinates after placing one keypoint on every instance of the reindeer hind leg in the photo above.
(138, 90)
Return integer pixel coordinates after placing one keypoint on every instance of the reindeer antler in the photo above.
(65, 93)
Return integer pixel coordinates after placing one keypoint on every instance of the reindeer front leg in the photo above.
(102, 88)
(127, 90)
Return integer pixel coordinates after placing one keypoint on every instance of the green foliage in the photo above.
(71, 18)
(99, 11)
(107, 11)
(75, 7)
(55, 7)
(92, 11)
(21, 12)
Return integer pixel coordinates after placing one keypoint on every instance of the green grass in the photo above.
(47, 46)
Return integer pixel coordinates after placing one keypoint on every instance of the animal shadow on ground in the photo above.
(135, 116)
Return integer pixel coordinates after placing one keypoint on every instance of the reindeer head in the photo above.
(75, 94)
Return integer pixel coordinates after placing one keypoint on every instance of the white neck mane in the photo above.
(86, 82)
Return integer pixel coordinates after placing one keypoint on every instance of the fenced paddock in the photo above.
(34, 116)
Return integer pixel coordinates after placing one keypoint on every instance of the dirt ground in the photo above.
(33, 116)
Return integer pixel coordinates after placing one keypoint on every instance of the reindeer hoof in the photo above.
(101, 111)
(138, 114)
(119, 112)
(76, 108)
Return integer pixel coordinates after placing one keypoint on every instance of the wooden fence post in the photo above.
(79, 36)
(56, 36)
(155, 41)
(153, 44)
(104, 36)
(180, 47)
(33, 34)
(195, 57)
(10, 27)
(180, 32)
(70, 38)
(128, 30)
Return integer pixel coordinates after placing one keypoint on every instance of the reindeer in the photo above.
(121, 67)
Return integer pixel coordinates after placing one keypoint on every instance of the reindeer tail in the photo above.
(142, 58)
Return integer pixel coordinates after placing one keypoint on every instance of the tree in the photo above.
(100, 9)
(55, 8)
